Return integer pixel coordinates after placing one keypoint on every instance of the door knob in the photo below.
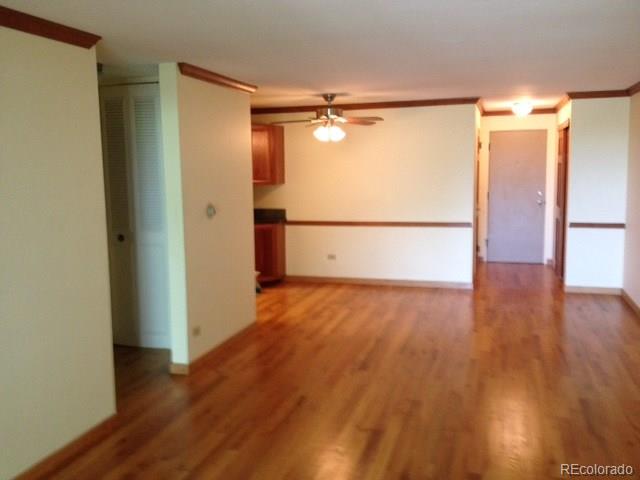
(540, 201)
(120, 237)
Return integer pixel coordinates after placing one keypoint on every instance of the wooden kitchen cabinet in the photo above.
(267, 150)
(270, 253)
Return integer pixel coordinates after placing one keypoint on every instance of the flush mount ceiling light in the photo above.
(328, 120)
(522, 108)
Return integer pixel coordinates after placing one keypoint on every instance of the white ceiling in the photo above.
(374, 50)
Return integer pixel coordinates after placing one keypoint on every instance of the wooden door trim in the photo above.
(560, 264)
(46, 28)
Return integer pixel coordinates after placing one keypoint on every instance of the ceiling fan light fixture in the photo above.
(522, 108)
(336, 133)
(331, 133)
(321, 133)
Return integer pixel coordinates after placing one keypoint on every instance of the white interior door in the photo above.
(136, 214)
(150, 225)
(114, 113)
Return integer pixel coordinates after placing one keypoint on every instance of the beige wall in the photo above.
(632, 250)
(56, 366)
(417, 165)
(597, 188)
(215, 152)
(511, 122)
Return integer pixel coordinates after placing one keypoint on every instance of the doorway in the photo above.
(517, 185)
(560, 211)
(135, 199)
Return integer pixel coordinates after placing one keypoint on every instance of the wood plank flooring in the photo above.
(347, 382)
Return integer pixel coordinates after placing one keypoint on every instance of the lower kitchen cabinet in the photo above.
(270, 252)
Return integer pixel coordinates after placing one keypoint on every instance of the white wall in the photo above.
(511, 122)
(417, 165)
(177, 264)
(56, 365)
(597, 189)
(214, 150)
(632, 250)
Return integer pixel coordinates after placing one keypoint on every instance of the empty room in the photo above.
(319, 240)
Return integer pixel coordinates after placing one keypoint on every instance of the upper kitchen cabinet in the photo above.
(267, 146)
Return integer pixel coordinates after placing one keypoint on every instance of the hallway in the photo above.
(356, 382)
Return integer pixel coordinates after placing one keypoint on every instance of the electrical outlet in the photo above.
(331, 256)
(196, 331)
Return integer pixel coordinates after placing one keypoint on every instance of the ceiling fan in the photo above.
(329, 119)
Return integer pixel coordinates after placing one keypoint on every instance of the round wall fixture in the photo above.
(211, 210)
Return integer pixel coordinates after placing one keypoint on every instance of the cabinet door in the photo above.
(269, 252)
(260, 150)
(267, 147)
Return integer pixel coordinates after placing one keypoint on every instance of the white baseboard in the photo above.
(593, 290)
(380, 281)
(634, 306)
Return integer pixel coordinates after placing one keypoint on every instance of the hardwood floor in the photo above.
(347, 382)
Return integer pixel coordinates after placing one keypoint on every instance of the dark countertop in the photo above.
(269, 215)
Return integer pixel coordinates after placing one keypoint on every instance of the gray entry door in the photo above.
(517, 165)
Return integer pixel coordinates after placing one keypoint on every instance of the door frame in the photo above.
(559, 264)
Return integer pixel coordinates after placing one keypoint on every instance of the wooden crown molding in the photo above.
(199, 73)
(45, 28)
(359, 223)
(597, 225)
(563, 101)
(370, 106)
(632, 90)
(535, 111)
(598, 94)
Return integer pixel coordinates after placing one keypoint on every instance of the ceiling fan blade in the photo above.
(291, 121)
(316, 123)
(359, 121)
(367, 119)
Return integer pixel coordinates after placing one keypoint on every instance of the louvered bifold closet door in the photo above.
(117, 177)
(150, 222)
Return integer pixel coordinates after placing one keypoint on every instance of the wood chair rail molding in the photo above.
(619, 226)
(45, 28)
(359, 223)
(205, 75)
